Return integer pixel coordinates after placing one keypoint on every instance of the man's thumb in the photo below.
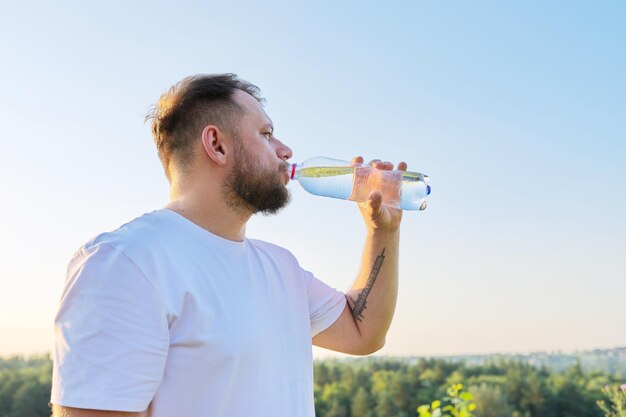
(375, 200)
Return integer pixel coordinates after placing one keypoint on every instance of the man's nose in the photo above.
(283, 151)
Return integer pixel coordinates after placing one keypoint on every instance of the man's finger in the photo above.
(402, 166)
(357, 160)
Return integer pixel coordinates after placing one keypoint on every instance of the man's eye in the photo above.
(268, 135)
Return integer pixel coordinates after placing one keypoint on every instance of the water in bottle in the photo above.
(341, 179)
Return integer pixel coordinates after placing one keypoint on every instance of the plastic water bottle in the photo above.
(345, 180)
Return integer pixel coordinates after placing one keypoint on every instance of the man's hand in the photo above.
(379, 216)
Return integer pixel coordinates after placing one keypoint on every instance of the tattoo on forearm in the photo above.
(361, 300)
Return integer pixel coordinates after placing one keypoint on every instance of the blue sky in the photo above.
(514, 109)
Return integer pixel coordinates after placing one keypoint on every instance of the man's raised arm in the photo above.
(363, 325)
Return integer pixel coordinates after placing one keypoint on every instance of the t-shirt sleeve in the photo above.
(111, 334)
(325, 303)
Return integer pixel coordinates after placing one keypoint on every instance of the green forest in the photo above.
(25, 386)
(498, 386)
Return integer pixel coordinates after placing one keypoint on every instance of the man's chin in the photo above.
(273, 207)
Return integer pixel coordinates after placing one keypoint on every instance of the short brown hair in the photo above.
(188, 106)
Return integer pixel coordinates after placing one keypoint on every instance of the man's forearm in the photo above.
(372, 298)
(59, 411)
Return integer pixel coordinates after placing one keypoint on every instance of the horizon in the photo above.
(34, 355)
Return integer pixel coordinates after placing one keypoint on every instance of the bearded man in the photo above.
(178, 313)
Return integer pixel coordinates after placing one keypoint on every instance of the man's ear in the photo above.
(215, 144)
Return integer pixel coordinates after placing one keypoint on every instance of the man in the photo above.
(178, 314)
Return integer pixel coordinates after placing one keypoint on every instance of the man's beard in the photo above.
(251, 187)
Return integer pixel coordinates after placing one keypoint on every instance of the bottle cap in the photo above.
(293, 171)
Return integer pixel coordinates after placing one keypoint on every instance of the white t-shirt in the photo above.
(165, 316)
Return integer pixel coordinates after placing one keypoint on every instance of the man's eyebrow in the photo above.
(268, 126)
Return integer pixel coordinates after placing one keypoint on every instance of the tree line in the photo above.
(384, 387)
(500, 388)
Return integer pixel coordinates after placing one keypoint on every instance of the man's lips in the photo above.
(286, 169)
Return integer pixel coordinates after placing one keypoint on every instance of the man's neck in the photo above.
(210, 211)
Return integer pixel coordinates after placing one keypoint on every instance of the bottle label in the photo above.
(367, 179)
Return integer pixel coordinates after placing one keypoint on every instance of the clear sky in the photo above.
(516, 111)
